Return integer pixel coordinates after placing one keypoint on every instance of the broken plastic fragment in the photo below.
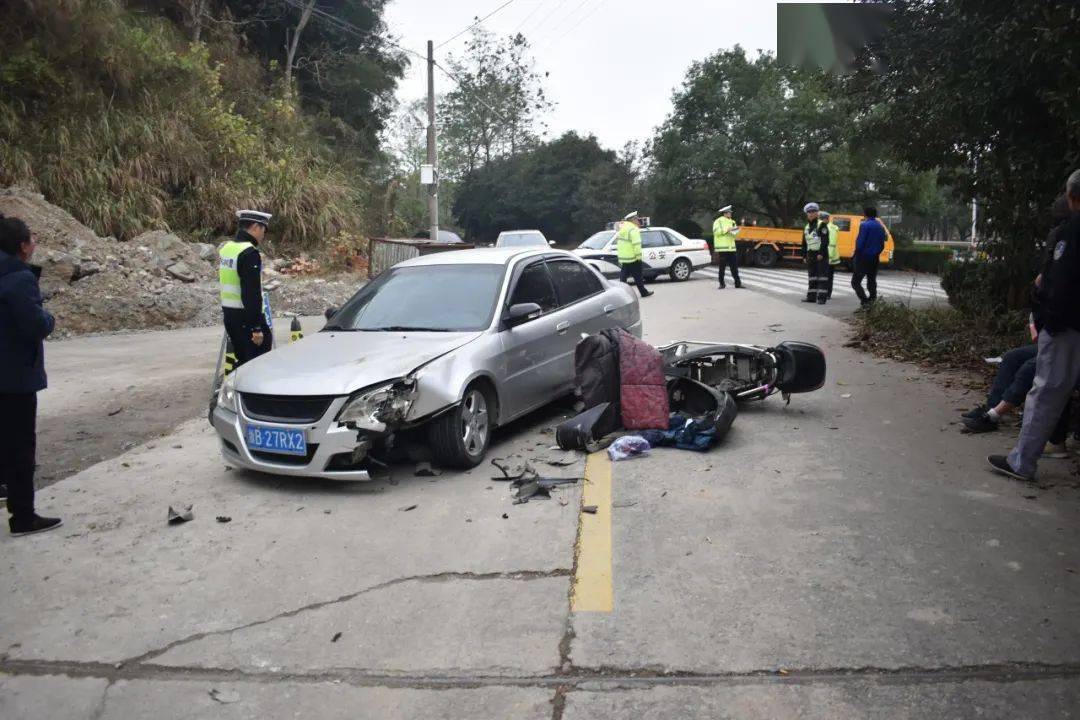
(424, 469)
(225, 697)
(591, 509)
(175, 518)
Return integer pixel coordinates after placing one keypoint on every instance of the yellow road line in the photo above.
(592, 590)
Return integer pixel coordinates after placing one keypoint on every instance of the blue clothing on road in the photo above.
(24, 325)
(870, 242)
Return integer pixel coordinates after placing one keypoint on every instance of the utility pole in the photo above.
(433, 188)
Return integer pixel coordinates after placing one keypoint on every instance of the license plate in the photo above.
(276, 440)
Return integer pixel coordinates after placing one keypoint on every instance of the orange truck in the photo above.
(766, 246)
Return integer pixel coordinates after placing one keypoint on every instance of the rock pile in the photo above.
(155, 281)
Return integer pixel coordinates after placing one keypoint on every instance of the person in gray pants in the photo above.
(1057, 366)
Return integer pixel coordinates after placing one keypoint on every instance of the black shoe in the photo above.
(980, 424)
(738, 286)
(975, 412)
(1001, 464)
(722, 286)
(820, 302)
(808, 300)
(647, 294)
(35, 524)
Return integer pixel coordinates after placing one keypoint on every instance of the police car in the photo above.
(665, 252)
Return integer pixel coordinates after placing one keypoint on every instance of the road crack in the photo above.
(604, 679)
(520, 575)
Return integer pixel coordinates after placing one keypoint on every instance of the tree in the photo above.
(336, 54)
(567, 188)
(761, 136)
(496, 106)
(984, 92)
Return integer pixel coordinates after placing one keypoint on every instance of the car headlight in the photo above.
(375, 408)
(227, 393)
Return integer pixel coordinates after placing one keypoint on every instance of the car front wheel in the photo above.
(681, 269)
(460, 437)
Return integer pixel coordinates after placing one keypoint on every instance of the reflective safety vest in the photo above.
(813, 240)
(628, 243)
(228, 277)
(723, 238)
(834, 244)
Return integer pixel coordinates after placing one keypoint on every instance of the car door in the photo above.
(655, 250)
(529, 352)
(581, 311)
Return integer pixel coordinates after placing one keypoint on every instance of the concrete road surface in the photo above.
(847, 556)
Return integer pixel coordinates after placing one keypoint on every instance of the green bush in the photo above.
(977, 287)
(942, 336)
(921, 258)
(118, 119)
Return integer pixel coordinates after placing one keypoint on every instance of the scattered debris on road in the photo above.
(225, 697)
(407, 508)
(590, 509)
(628, 446)
(424, 469)
(223, 519)
(175, 518)
(337, 636)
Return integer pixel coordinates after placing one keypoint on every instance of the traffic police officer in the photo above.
(239, 273)
(834, 249)
(815, 247)
(724, 231)
(628, 246)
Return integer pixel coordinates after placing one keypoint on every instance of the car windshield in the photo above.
(598, 241)
(436, 298)
(521, 239)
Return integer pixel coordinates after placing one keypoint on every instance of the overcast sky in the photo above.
(613, 63)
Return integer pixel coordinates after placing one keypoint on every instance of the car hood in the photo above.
(338, 363)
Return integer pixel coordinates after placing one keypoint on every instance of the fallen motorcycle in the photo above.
(747, 372)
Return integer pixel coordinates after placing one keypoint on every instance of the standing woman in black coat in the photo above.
(24, 325)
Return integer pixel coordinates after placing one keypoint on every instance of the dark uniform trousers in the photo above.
(817, 272)
(240, 336)
(729, 259)
(18, 445)
(634, 270)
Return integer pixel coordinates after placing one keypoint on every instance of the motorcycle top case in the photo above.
(802, 367)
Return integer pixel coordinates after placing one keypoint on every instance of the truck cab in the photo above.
(765, 246)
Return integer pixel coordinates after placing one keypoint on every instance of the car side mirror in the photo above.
(330, 312)
(522, 313)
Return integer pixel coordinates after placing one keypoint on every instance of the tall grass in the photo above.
(114, 116)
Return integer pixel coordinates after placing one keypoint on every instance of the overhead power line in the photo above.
(575, 26)
(476, 24)
(536, 28)
(558, 25)
(347, 27)
(480, 100)
(539, 4)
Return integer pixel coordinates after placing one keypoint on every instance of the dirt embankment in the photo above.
(155, 281)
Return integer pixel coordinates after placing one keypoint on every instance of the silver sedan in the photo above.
(449, 345)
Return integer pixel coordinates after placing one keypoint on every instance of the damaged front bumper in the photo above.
(334, 451)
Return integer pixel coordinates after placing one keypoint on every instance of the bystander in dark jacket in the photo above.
(24, 325)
